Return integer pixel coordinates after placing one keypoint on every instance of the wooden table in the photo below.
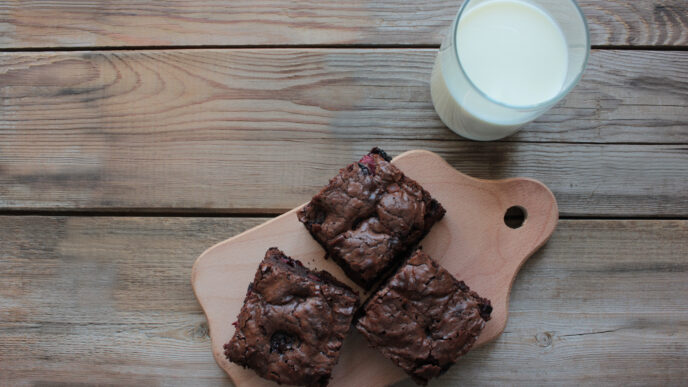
(134, 134)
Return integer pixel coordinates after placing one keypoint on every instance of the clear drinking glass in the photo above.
(469, 110)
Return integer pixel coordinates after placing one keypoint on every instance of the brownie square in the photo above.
(369, 216)
(423, 318)
(293, 322)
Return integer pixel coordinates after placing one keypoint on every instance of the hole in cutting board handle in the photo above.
(515, 217)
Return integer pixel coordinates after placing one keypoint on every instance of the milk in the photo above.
(514, 57)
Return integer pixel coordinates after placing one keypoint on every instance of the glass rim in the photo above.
(551, 101)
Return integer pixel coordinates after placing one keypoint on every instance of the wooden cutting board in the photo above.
(472, 242)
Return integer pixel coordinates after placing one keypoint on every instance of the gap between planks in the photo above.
(300, 46)
(215, 213)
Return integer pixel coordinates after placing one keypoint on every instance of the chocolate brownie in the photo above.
(293, 322)
(369, 216)
(423, 318)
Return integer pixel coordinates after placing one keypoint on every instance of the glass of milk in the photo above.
(506, 62)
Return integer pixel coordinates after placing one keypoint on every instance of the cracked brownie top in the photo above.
(293, 322)
(369, 215)
(423, 318)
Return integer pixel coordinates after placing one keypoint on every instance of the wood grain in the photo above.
(307, 94)
(92, 23)
(471, 241)
(108, 301)
(261, 130)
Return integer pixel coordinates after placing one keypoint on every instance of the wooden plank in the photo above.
(261, 130)
(625, 96)
(252, 176)
(108, 301)
(91, 23)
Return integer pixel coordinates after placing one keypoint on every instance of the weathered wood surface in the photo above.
(109, 301)
(248, 130)
(91, 23)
